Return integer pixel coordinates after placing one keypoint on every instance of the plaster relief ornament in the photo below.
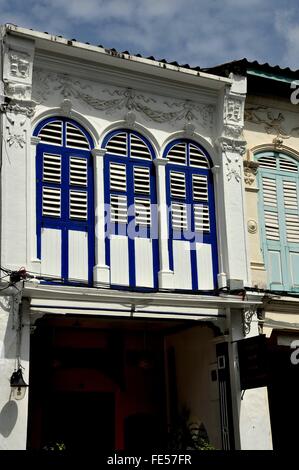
(189, 129)
(15, 135)
(252, 226)
(272, 123)
(233, 110)
(19, 64)
(121, 99)
(249, 175)
(17, 90)
(130, 119)
(66, 107)
(233, 167)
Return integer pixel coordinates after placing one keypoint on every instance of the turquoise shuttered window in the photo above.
(279, 214)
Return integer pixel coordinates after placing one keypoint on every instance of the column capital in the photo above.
(98, 152)
(161, 161)
(215, 169)
(35, 140)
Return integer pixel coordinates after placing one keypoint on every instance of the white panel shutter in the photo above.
(118, 177)
(178, 154)
(200, 187)
(52, 168)
(197, 158)
(78, 205)
(139, 149)
(177, 185)
(142, 212)
(51, 203)
(78, 171)
(117, 145)
(179, 216)
(51, 133)
(201, 218)
(141, 180)
(118, 209)
(75, 137)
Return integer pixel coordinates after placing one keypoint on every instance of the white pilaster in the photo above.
(33, 263)
(101, 272)
(165, 275)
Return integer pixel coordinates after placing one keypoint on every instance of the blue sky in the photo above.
(198, 32)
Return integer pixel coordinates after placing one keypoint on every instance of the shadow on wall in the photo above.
(8, 418)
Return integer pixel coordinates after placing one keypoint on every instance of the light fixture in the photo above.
(18, 385)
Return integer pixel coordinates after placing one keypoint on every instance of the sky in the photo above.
(198, 32)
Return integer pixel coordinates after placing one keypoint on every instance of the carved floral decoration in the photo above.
(273, 122)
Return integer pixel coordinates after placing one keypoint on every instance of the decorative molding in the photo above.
(234, 132)
(98, 152)
(161, 161)
(121, 99)
(250, 171)
(272, 123)
(252, 226)
(233, 109)
(17, 90)
(189, 129)
(26, 107)
(66, 107)
(130, 118)
(247, 319)
(232, 145)
(19, 63)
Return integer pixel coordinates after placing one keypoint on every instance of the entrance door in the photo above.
(83, 421)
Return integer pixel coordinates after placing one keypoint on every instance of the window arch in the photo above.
(130, 196)
(278, 180)
(65, 206)
(192, 225)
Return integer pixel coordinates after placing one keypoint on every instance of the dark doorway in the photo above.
(82, 421)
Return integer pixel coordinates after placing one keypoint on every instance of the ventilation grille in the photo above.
(78, 171)
(201, 218)
(51, 133)
(272, 226)
(143, 212)
(197, 158)
(179, 216)
(52, 168)
(200, 187)
(177, 185)
(290, 194)
(117, 145)
(118, 178)
(141, 180)
(118, 209)
(267, 162)
(51, 202)
(75, 138)
(269, 191)
(292, 226)
(78, 205)
(139, 149)
(177, 154)
(288, 165)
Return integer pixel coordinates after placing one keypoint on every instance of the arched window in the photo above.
(192, 227)
(65, 208)
(278, 179)
(130, 195)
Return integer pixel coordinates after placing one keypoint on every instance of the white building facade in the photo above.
(122, 197)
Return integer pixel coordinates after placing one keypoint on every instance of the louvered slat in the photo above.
(290, 194)
(200, 187)
(287, 165)
(292, 228)
(139, 149)
(78, 205)
(141, 180)
(51, 202)
(142, 212)
(117, 145)
(201, 218)
(52, 168)
(118, 177)
(177, 154)
(269, 191)
(51, 133)
(118, 209)
(179, 216)
(75, 137)
(197, 158)
(272, 226)
(177, 185)
(268, 162)
(78, 171)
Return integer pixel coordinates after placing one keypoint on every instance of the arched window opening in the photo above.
(65, 206)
